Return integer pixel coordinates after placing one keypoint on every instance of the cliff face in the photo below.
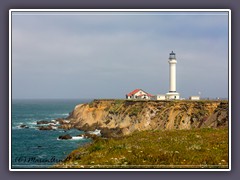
(122, 117)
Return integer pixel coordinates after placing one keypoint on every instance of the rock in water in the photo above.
(23, 126)
(65, 137)
(45, 128)
(43, 122)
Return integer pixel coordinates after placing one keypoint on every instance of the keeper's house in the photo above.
(138, 94)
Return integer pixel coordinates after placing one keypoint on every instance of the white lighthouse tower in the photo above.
(172, 94)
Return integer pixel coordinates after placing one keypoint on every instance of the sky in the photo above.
(109, 54)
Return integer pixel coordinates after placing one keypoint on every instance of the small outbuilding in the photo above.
(194, 98)
(159, 97)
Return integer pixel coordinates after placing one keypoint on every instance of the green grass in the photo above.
(198, 148)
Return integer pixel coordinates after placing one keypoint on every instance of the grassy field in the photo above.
(197, 148)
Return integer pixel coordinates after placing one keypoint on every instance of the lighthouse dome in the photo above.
(172, 55)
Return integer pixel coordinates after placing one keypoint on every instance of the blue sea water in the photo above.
(32, 148)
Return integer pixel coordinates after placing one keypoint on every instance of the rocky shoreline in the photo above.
(62, 123)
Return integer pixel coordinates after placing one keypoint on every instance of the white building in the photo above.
(138, 94)
(159, 97)
(194, 97)
(172, 94)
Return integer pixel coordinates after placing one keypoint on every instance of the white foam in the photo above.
(77, 137)
(62, 114)
(96, 132)
(73, 138)
(33, 123)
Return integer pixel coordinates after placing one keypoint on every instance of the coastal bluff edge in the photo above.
(116, 117)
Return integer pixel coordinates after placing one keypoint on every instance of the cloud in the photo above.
(108, 55)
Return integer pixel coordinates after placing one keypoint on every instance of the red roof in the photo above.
(135, 91)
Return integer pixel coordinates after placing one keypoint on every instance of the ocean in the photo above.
(33, 148)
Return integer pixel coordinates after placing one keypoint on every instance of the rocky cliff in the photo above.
(121, 117)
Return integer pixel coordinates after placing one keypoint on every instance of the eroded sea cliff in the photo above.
(122, 117)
